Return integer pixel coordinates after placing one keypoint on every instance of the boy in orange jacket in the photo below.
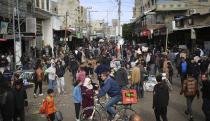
(48, 106)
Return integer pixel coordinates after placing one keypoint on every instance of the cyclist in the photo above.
(112, 88)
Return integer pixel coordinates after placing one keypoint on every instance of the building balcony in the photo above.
(171, 6)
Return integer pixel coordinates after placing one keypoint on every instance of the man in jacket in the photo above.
(160, 99)
(190, 90)
(121, 76)
(20, 100)
(39, 77)
(112, 88)
(206, 96)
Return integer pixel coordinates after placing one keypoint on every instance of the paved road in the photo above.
(64, 103)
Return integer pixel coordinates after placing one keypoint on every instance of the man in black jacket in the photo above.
(205, 95)
(20, 96)
(6, 101)
(160, 99)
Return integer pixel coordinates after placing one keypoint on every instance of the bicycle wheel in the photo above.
(125, 114)
(90, 114)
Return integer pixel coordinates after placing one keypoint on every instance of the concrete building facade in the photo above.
(161, 17)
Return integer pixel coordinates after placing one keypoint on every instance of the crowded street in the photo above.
(144, 107)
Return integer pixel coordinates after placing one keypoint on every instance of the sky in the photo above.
(102, 6)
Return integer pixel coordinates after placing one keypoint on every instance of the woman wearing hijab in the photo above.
(87, 95)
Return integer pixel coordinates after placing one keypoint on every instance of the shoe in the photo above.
(77, 120)
(116, 117)
(41, 94)
(186, 112)
(35, 95)
(191, 118)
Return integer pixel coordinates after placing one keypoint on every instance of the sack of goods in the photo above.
(150, 84)
(129, 96)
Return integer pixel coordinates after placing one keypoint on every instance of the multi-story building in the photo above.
(69, 8)
(137, 9)
(161, 17)
(82, 21)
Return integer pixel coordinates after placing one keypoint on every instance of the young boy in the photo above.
(48, 106)
(77, 96)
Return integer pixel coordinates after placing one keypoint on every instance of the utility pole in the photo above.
(119, 17)
(89, 25)
(17, 42)
(66, 23)
(107, 23)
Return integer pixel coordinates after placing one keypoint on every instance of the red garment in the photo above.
(87, 99)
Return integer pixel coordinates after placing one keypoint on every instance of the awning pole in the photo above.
(166, 40)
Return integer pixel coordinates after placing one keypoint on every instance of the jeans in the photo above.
(161, 112)
(109, 105)
(60, 84)
(189, 100)
(205, 108)
(38, 84)
(52, 84)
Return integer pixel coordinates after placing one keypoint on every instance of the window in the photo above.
(37, 3)
(47, 2)
(43, 4)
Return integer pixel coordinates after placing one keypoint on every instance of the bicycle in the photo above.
(97, 112)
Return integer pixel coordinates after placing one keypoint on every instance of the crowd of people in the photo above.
(100, 69)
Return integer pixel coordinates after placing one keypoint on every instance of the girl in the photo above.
(77, 96)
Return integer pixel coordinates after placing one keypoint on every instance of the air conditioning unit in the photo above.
(192, 11)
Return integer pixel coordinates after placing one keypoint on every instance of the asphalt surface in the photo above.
(64, 103)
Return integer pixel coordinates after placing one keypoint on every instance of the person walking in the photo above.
(170, 72)
(160, 99)
(183, 69)
(206, 95)
(74, 65)
(51, 71)
(39, 77)
(136, 77)
(60, 71)
(121, 76)
(190, 90)
(20, 100)
(77, 97)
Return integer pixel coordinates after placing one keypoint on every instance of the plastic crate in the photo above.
(129, 96)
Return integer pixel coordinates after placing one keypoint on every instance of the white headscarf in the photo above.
(87, 83)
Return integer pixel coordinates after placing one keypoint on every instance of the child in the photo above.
(77, 96)
(48, 106)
